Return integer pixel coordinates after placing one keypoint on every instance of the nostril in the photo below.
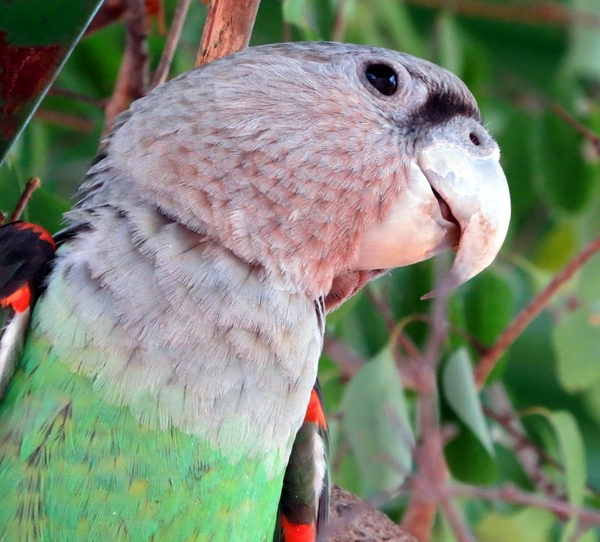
(474, 139)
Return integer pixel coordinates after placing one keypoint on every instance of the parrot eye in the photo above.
(383, 78)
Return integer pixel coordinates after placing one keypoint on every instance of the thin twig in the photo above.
(439, 323)
(339, 26)
(227, 29)
(528, 454)
(385, 311)
(348, 360)
(58, 118)
(457, 523)
(132, 79)
(582, 129)
(109, 12)
(430, 484)
(513, 495)
(137, 35)
(286, 34)
(382, 307)
(59, 91)
(162, 71)
(524, 318)
(32, 185)
(473, 341)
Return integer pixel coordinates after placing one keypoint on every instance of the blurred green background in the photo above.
(524, 61)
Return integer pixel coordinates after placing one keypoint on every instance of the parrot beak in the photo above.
(456, 199)
(476, 192)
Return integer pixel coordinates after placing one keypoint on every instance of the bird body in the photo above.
(111, 407)
(168, 378)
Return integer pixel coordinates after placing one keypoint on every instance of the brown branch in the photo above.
(430, 483)
(137, 37)
(339, 26)
(59, 91)
(32, 185)
(380, 303)
(578, 126)
(119, 100)
(162, 71)
(456, 521)
(529, 455)
(227, 29)
(513, 495)
(286, 34)
(110, 12)
(348, 360)
(72, 122)
(542, 13)
(353, 520)
(524, 318)
(133, 73)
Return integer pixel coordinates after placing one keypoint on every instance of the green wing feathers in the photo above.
(73, 467)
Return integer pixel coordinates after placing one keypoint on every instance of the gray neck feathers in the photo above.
(181, 331)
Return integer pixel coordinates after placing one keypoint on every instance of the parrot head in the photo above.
(323, 164)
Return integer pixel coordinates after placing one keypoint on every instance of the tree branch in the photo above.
(353, 520)
(513, 495)
(524, 318)
(430, 483)
(32, 185)
(133, 74)
(162, 71)
(227, 29)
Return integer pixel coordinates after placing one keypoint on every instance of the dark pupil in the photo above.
(383, 78)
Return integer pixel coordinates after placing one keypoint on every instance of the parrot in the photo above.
(167, 386)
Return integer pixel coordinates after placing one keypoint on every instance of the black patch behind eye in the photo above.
(443, 104)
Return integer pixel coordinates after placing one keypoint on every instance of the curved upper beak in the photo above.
(456, 198)
(476, 191)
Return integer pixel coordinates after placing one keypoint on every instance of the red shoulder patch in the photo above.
(297, 533)
(18, 300)
(25, 250)
(314, 412)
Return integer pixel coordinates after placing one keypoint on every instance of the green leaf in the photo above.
(468, 460)
(473, 440)
(572, 452)
(516, 140)
(393, 19)
(576, 339)
(377, 425)
(384, 24)
(560, 160)
(301, 13)
(529, 525)
(461, 393)
(557, 247)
